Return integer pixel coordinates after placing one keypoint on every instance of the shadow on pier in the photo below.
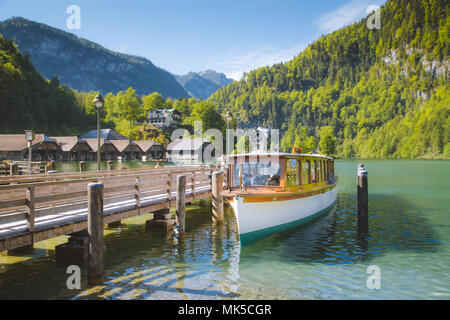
(141, 264)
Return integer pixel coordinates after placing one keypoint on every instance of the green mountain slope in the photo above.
(372, 93)
(83, 65)
(28, 101)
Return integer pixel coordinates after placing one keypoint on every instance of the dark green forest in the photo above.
(381, 93)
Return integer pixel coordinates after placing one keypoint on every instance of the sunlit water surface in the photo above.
(328, 258)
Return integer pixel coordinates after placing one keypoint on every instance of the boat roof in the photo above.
(279, 154)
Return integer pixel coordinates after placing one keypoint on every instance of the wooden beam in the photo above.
(217, 198)
(95, 231)
(181, 204)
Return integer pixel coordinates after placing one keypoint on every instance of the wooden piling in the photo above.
(30, 209)
(95, 231)
(110, 165)
(181, 204)
(217, 198)
(363, 198)
(82, 166)
(137, 195)
(14, 169)
(162, 222)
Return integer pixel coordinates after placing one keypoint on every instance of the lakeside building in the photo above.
(106, 134)
(128, 149)
(191, 150)
(107, 150)
(151, 150)
(73, 148)
(15, 147)
(113, 146)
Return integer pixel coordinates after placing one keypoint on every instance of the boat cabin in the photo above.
(279, 172)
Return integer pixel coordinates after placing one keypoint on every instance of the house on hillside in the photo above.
(189, 151)
(163, 118)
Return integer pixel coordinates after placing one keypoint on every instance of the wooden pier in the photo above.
(38, 207)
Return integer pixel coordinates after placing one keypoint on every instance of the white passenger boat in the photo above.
(270, 192)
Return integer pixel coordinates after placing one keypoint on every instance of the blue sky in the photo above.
(194, 35)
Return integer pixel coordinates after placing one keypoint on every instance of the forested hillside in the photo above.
(28, 101)
(358, 92)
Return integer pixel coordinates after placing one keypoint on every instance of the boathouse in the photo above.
(152, 150)
(128, 150)
(15, 147)
(73, 148)
(190, 150)
(106, 134)
(107, 149)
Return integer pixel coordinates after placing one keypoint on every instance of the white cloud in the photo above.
(345, 15)
(234, 63)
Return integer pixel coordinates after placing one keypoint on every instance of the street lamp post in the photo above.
(98, 103)
(228, 118)
(29, 136)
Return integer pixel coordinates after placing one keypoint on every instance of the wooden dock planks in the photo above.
(33, 209)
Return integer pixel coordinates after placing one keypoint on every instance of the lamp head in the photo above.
(98, 101)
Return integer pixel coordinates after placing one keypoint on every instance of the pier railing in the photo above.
(38, 207)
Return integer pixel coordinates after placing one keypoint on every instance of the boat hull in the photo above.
(262, 218)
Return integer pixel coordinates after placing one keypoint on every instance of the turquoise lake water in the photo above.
(408, 240)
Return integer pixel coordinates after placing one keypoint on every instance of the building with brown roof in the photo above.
(128, 149)
(15, 147)
(151, 150)
(113, 146)
(107, 149)
(73, 148)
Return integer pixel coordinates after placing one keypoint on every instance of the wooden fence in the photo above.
(23, 168)
(37, 207)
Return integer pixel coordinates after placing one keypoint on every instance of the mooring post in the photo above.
(363, 198)
(217, 198)
(110, 165)
(82, 166)
(181, 203)
(13, 169)
(95, 231)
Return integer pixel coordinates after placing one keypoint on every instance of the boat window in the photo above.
(314, 171)
(292, 173)
(257, 174)
(305, 172)
(319, 171)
